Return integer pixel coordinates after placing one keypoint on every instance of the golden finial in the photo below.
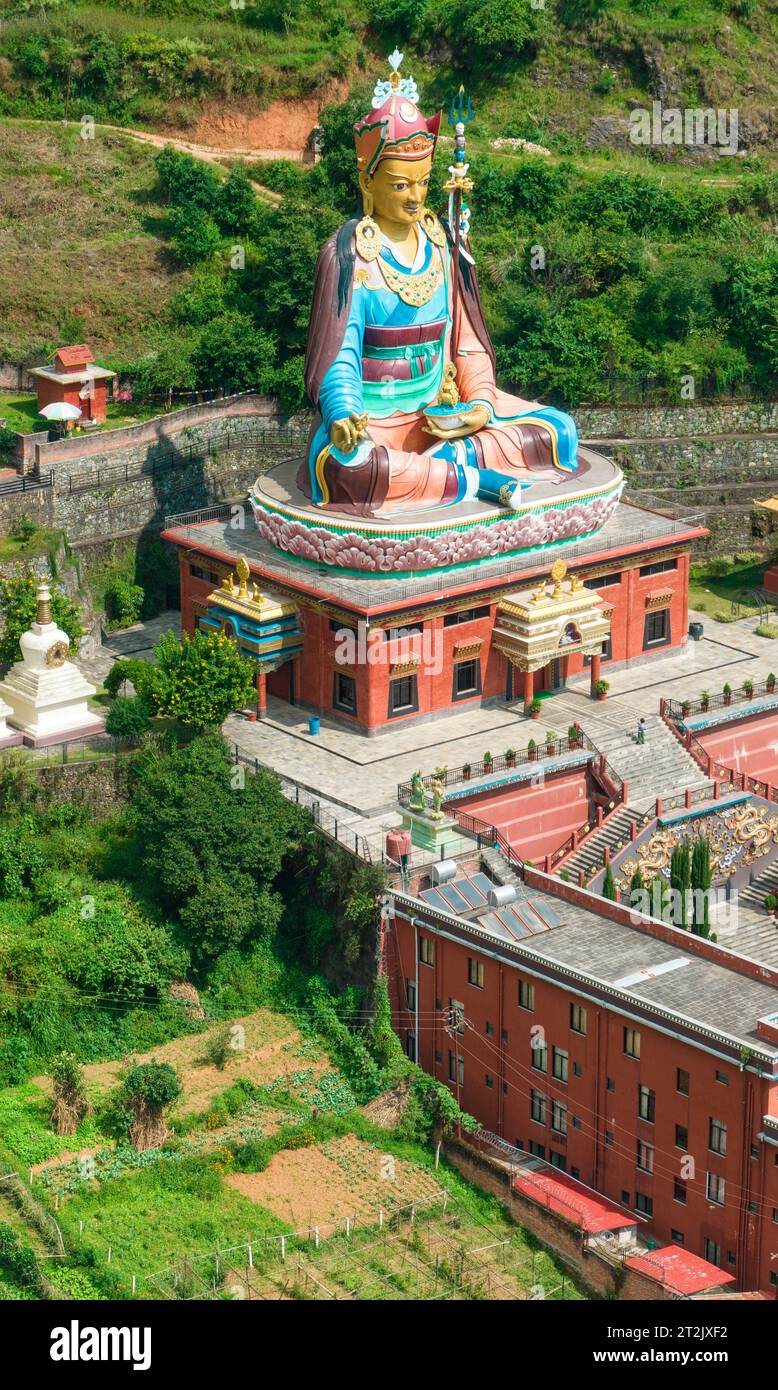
(43, 615)
(226, 583)
(257, 595)
(558, 572)
(242, 570)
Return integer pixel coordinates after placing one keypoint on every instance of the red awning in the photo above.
(563, 1195)
(679, 1270)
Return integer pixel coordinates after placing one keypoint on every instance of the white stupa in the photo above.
(9, 738)
(44, 693)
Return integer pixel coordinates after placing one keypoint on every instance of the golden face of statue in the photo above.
(398, 189)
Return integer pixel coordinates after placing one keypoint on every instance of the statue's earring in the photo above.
(368, 232)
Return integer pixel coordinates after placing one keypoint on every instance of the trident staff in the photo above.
(459, 117)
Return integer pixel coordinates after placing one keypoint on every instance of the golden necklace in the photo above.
(414, 289)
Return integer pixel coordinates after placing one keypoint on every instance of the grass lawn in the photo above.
(725, 597)
(20, 412)
(39, 543)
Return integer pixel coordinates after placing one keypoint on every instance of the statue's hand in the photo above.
(346, 434)
(458, 428)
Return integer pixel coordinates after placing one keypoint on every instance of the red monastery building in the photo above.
(473, 633)
(634, 1058)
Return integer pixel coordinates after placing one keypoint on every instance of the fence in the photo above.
(726, 778)
(454, 776)
(681, 710)
(171, 458)
(25, 483)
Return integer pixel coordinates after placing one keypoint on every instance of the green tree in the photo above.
(146, 1092)
(680, 881)
(609, 885)
(204, 678)
(701, 879)
(235, 354)
(18, 607)
(213, 843)
(194, 237)
(235, 203)
(187, 182)
(485, 33)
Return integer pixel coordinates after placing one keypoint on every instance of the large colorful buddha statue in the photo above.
(399, 366)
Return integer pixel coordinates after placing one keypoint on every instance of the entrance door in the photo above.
(557, 673)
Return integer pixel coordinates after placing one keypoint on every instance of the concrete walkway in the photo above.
(355, 778)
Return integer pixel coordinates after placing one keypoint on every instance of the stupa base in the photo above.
(32, 738)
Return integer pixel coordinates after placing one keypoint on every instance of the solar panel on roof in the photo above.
(473, 895)
(545, 911)
(453, 897)
(492, 921)
(512, 919)
(433, 897)
(481, 882)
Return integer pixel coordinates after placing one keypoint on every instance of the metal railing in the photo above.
(455, 776)
(162, 461)
(26, 482)
(681, 710)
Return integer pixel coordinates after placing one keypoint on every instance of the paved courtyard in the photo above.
(356, 777)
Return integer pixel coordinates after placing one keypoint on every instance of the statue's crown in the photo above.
(395, 127)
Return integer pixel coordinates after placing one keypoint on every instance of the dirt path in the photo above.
(211, 154)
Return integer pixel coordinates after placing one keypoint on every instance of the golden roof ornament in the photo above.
(558, 572)
(242, 570)
(43, 614)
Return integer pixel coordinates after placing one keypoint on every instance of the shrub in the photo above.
(128, 718)
(124, 602)
(146, 1092)
(769, 630)
(23, 529)
(18, 606)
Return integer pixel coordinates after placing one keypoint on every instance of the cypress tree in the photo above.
(609, 885)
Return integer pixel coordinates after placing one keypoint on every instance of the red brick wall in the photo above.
(504, 1105)
(748, 745)
(534, 820)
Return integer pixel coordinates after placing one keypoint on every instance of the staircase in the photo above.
(614, 832)
(754, 895)
(660, 767)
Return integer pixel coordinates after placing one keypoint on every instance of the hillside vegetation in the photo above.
(554, 67)
(607, 269)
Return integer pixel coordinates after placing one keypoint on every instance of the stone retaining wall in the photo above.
(631, 422)
(195, 427)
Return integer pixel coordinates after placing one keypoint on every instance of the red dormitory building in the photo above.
(636, 569)
(637, 1059)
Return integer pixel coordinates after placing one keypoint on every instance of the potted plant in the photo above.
(727, 693)
(550, 740)
(601, 689)
(771, 903)
(572, 736)
(510, 757)
(533, 709)
(466, 772)
(532, 750)
(686, 709)
(748, 689)
(488, 760)
(770, 683)
(704, 700)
